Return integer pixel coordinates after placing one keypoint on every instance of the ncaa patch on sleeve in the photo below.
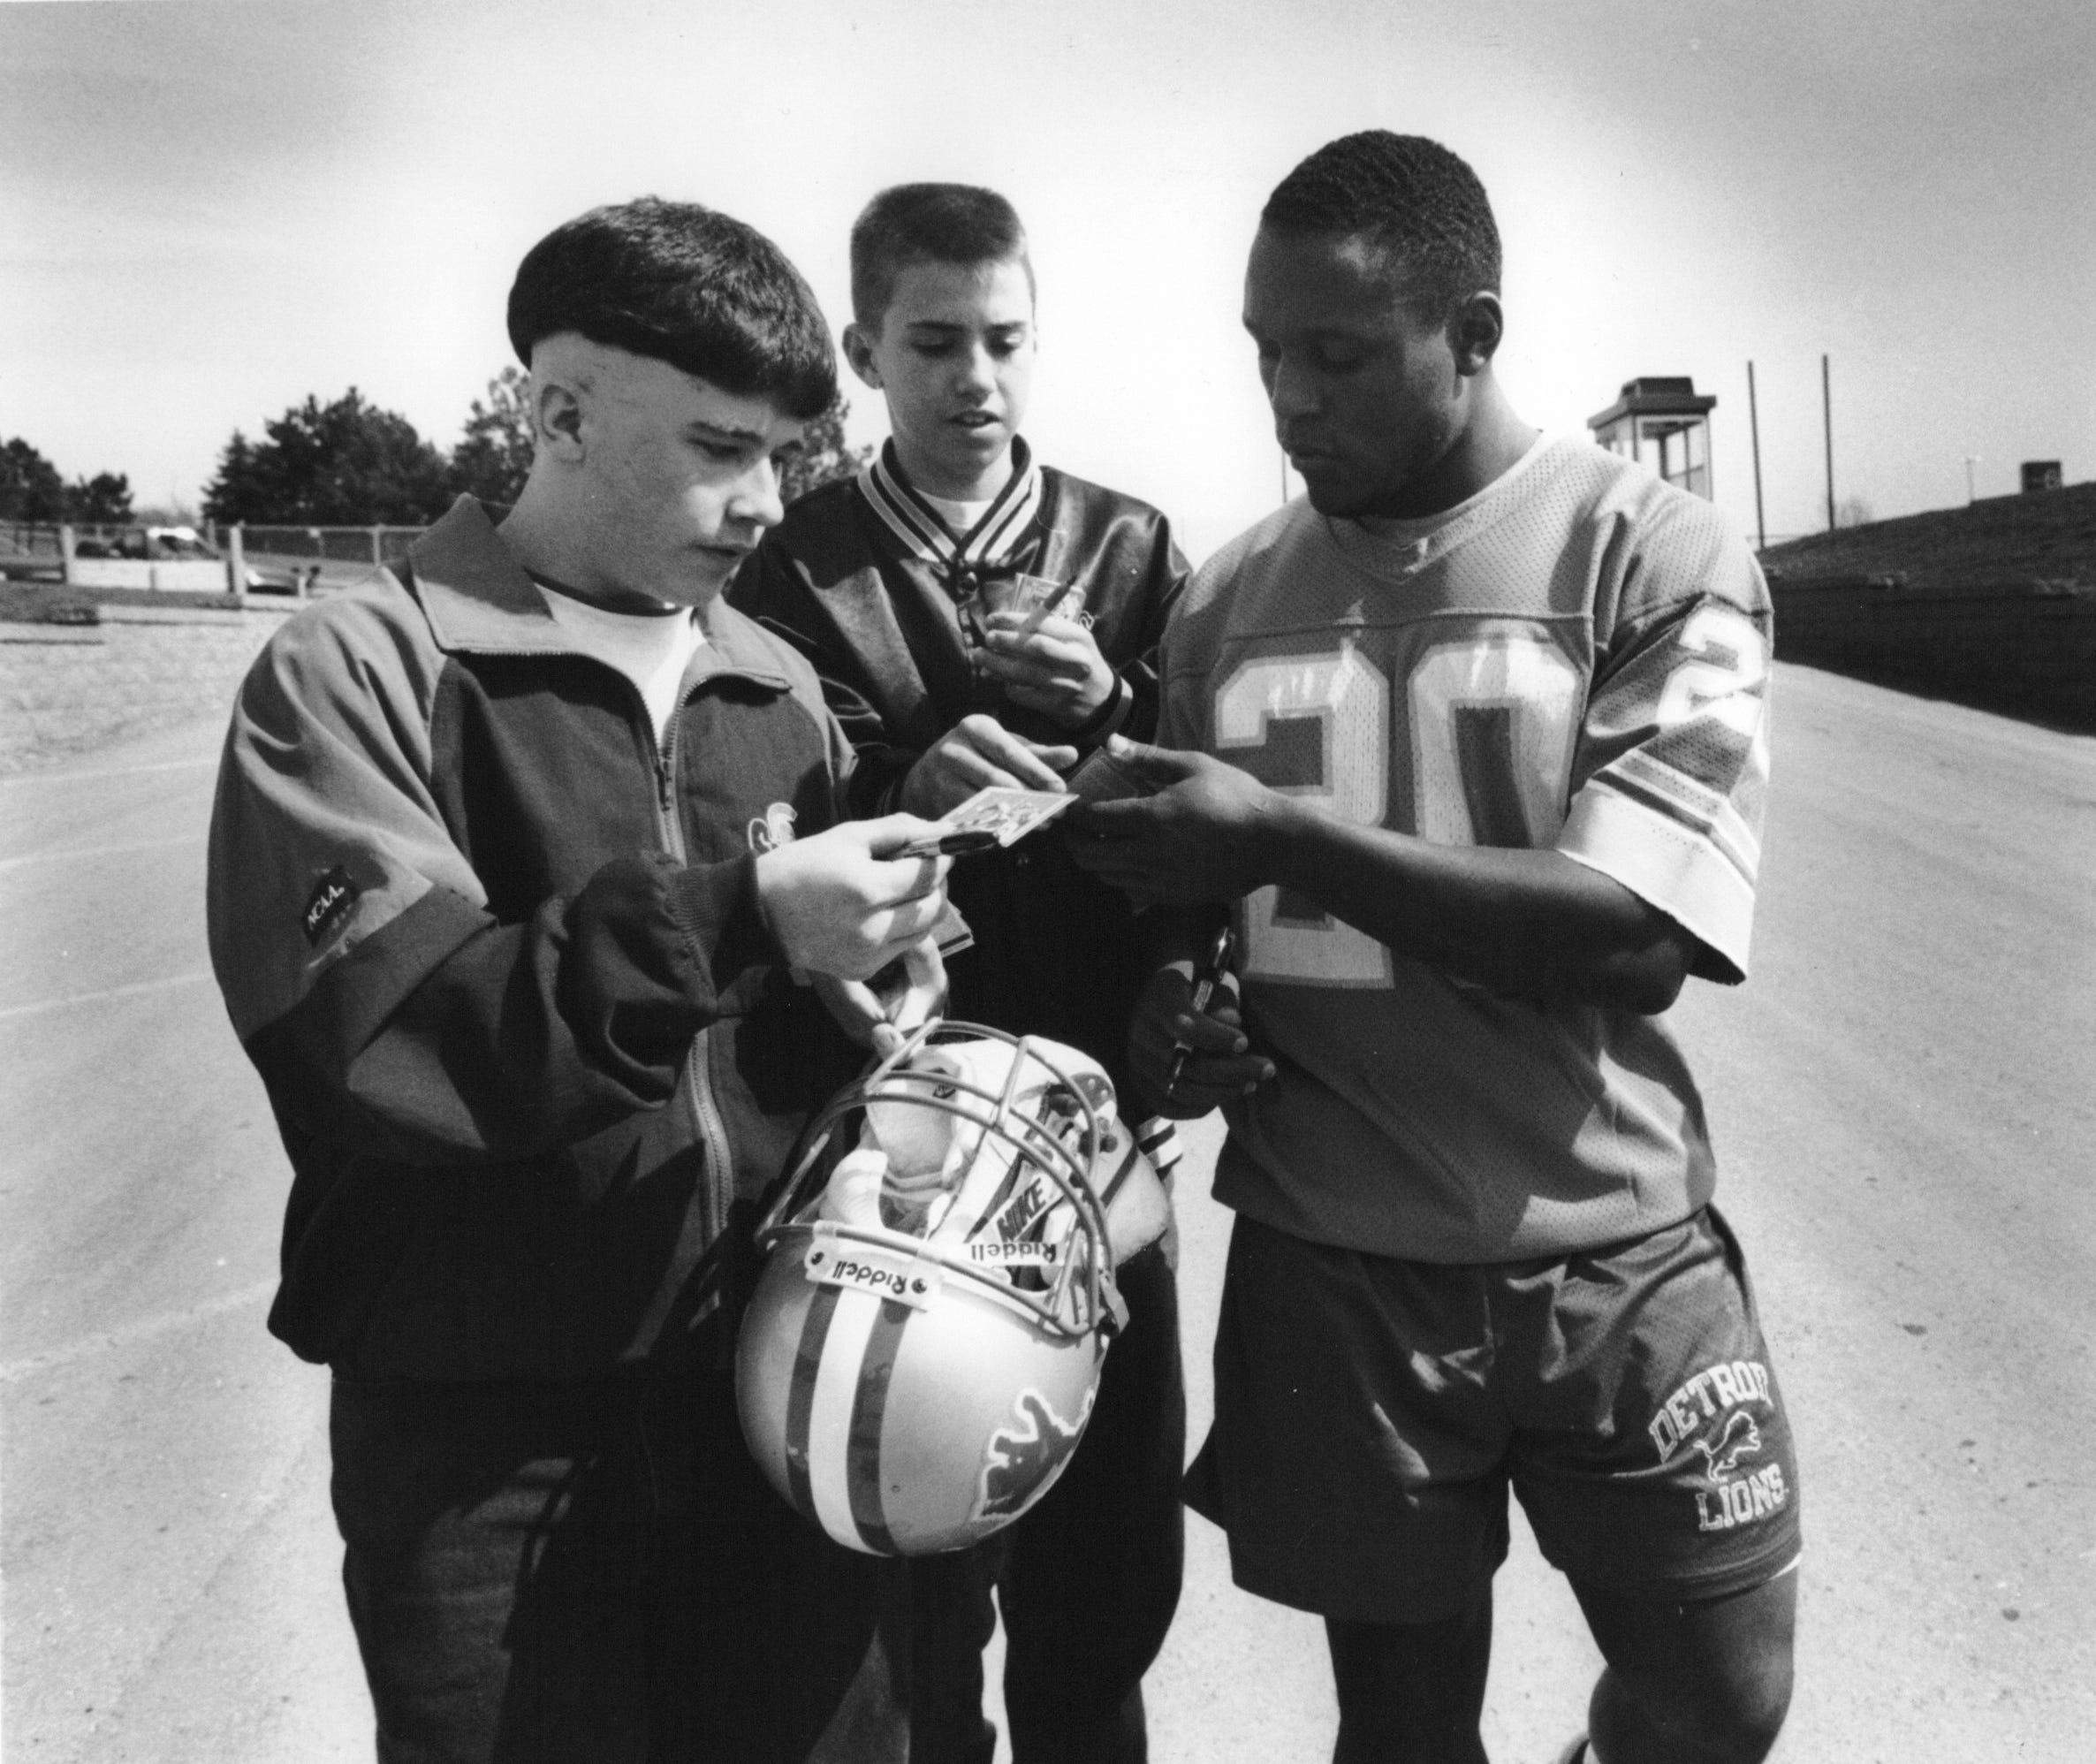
(332, 902)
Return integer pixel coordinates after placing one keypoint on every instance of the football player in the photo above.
(980, 619)
(1473, 735)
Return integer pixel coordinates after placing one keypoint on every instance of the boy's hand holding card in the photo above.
(993, 817)
(1023, 596)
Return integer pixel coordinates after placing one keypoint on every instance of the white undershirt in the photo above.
(960, 516)
(651, 649)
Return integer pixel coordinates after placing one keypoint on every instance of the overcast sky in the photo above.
(208, 212)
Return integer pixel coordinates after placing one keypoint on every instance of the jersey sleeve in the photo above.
(383, 1003)
(1671, 772)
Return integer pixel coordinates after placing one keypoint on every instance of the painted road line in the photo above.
(139, 989)
(132, 1334)
(101, 850)
(106, 771)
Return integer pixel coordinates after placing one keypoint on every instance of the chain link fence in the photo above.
(278, 559)
(327, 545)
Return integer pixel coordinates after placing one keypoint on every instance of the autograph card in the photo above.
(1021, 593)
(1010, 814)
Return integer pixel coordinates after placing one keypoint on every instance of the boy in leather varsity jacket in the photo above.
(976, 620)
(512, 855)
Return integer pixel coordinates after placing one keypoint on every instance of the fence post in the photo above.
(66, 540)
(236, 562)
(378, 548)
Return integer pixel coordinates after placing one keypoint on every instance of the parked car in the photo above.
(186, 544)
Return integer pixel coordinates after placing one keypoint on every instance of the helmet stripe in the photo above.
(807, 1358)
(863, 1473)
(830, 1415)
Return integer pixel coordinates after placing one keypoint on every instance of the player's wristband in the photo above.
(1108, 718)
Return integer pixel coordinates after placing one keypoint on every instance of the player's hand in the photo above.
(976, 752)
(837, 907)
(880, 1019)
(1219, 1063)
(1197, 838)
(1048, 663)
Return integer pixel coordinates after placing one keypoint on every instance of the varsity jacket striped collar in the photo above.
(479, 600)
(984, 550)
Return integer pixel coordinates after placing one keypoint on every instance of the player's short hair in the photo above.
(1410, 197)
(929, 224)
(685, 284)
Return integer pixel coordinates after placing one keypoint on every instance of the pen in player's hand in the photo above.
(952, 844)
(1207, 977)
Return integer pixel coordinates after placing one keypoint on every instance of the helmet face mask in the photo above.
(922, 1352)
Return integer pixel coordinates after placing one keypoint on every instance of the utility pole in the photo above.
(1826, 408)
(1754, 429)
(1971, 459)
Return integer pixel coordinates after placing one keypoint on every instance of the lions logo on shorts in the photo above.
(772, 829)
(1709, 1415)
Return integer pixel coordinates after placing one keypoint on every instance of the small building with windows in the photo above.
(1665, 423)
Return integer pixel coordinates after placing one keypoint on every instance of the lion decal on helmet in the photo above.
(921, 1354)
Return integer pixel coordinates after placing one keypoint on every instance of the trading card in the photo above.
(1033, 595)
(1010, 814)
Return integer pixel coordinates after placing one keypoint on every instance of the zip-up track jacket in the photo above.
(497, 956)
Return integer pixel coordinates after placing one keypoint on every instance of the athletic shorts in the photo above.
(1370, 1414)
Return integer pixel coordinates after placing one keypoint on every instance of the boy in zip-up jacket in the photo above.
(511, 858)
(979, 618)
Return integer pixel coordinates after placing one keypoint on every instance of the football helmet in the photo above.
(920, 1353)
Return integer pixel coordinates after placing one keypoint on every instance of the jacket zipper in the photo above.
(713, 1128)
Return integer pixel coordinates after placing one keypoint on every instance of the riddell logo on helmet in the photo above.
(998, 1253)
(915, 1283)
(1020, 1460)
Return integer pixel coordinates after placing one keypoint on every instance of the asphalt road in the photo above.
(1903, 1102)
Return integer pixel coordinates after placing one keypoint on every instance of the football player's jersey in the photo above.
(1575, 659)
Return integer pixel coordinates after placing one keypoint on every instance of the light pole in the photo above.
(1827, 410)
(1754, 429)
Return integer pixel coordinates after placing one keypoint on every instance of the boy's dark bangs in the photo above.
(740, 354)
(685, 284)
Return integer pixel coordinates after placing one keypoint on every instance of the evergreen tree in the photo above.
(494, 458)
(102, 500)
(347, 463)
(31, 491)
(30, 487)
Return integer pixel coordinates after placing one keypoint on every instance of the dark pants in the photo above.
(561, 1572)
(1087, 1582)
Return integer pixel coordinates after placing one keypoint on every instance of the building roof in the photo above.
(1656, 395)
